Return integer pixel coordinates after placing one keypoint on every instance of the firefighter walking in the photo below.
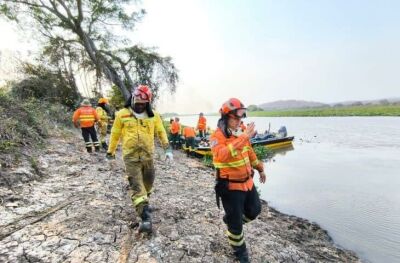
(85, 118)
(102, 124)
(235, 161)
(137, 125)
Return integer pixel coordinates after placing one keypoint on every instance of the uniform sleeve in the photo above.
(115, 134)
(99, 112)
(76, 116)
(223, 151)
(159, 130)
(255, 163)
(96, 116)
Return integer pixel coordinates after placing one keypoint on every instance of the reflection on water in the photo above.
(343, 173)
(280, 152)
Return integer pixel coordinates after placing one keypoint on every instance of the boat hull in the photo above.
(275, 143)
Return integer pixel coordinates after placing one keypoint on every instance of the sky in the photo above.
(263, 50)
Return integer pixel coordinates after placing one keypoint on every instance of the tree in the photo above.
(90, 26)
(45, 84)
(254, 108)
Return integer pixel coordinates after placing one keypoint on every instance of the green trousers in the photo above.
(141, 178)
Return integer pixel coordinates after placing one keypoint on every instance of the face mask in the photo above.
(139, 107)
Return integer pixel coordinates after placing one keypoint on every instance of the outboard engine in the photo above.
(282, 131)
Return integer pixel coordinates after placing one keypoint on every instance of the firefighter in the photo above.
(202, 125)
(137, 125)
(235, 161)
(85, 117)
(102, 110)
(189, 134)
(175, 130)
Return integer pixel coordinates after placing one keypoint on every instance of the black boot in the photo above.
(104, 145)
(89, 149)
(242, 254)
(97, 148)
(146, 225)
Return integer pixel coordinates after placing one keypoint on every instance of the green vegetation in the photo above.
(262, 152)
(116, 98)
(254, 108)
(45, 84)
(28, 122)
(361, 110)
(91, 35)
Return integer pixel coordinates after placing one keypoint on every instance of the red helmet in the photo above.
(142, 93)
(233, 107)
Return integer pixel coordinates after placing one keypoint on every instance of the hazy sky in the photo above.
(261, 51)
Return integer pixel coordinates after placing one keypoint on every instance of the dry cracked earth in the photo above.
(60, 204)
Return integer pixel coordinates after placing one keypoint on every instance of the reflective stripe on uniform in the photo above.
(87, 117)
(246, 149)
(229, 234)
(246, 219)
(239, 163)
(139, 200)
(255, 162)
(234, 153)
(235, 240)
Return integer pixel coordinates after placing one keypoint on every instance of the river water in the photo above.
(344, 174)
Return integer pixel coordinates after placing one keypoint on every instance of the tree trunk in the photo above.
(108, 70)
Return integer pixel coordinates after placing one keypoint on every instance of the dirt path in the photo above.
(78, 210)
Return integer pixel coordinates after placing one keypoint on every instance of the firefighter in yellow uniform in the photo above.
(235, 161)
(137, 125)
(102, 112)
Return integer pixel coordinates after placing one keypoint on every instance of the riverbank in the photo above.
(74, 207)
(362, 110)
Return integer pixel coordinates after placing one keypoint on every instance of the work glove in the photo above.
(110, 156)
(168, 154)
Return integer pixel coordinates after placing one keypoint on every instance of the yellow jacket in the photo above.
(137, 135)
(102, 114)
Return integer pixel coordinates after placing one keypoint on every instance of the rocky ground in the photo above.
(61, 204)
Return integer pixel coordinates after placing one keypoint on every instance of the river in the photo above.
(343, 173)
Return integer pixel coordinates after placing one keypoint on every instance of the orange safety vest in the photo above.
(175, 127)
(202, 123)
(234, 159)
(86, 115)
(189, 132)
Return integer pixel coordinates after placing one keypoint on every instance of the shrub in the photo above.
(28, 122)
(46, 85)
(262, 152)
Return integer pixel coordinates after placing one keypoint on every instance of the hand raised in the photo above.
(250, 130)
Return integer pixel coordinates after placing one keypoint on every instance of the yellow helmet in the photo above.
(103, 100)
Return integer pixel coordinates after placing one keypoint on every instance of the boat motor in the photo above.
(282, 131)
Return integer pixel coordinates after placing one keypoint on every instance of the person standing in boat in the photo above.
(235, 161)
